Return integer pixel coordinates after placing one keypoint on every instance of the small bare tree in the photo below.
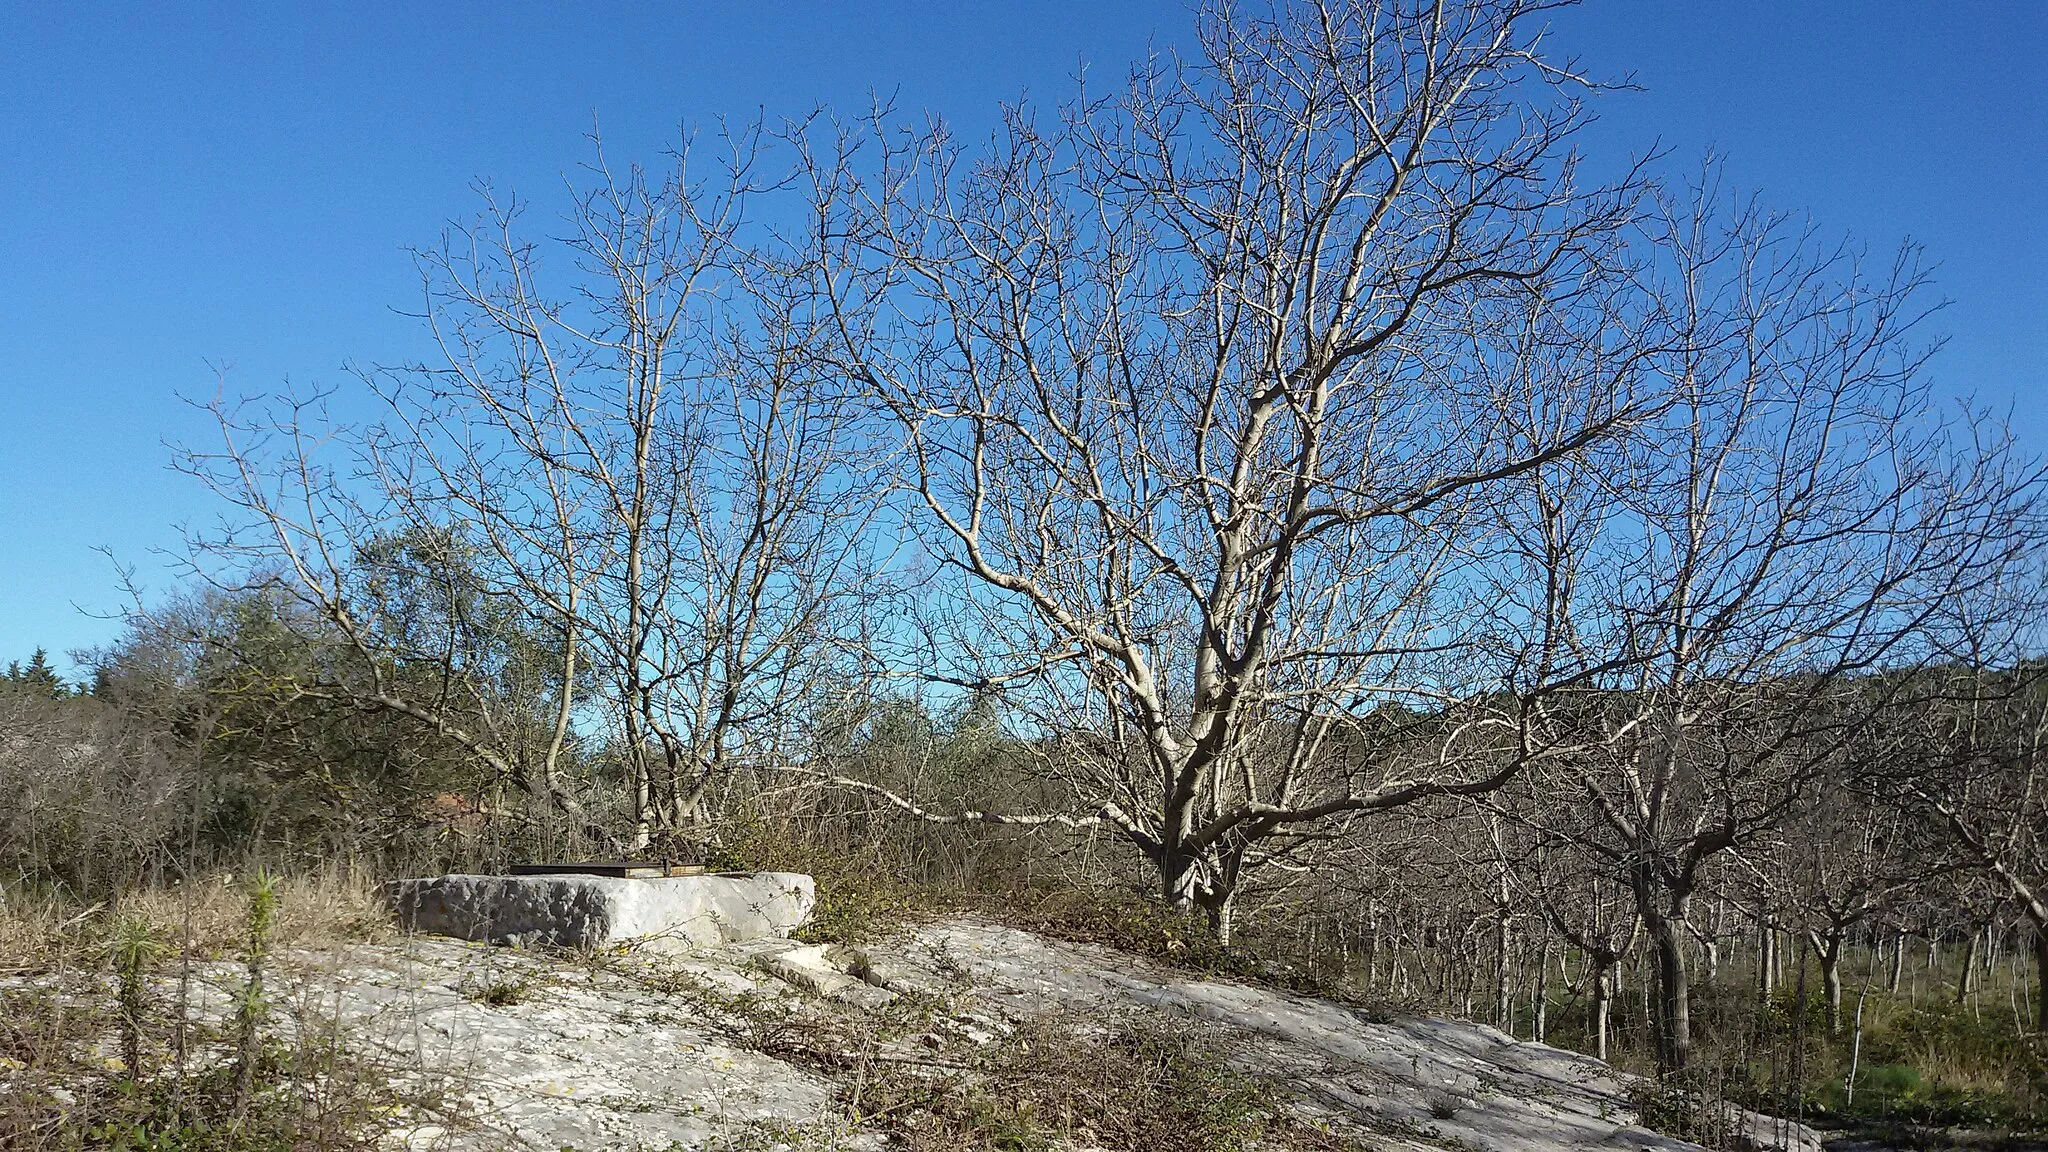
(1973, 736)
(1794, 522)
(1591, 908)
(1848, 858)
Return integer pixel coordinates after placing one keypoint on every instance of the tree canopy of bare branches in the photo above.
(1214, 389)
(624, 458)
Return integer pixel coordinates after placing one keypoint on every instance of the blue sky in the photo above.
(190, 186)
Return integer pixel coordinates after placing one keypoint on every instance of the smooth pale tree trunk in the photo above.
(643, 807)
(1766, 963)
(1179, 877)
(1827, 949)
(1371, 946)
(1603, 1004)
(1966, 981)
(1539, 1008)
(1184, 888)
(1503, 1002)
(1710, 944)
(1898, 963)
(1219, 900)
(1466, 959)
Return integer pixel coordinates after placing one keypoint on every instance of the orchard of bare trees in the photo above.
(1292, 481)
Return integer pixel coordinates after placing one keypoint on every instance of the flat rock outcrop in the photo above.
(729, 1045)
(1414, 1081)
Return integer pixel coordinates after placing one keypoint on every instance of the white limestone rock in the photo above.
(593, 911)
(1391, 1076)
(655, 1050)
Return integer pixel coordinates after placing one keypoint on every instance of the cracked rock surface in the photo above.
(1389, 1077)
(661, 1047)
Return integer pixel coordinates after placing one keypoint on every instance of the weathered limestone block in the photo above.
(591, 911)
(826, 969)
(833, 971)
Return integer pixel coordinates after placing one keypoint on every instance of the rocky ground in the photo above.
(758, 1045)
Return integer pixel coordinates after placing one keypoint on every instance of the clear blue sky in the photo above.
(190, 184)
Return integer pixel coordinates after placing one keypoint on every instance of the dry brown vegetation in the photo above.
(106, 1039)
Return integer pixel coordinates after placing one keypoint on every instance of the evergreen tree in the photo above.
(38, 678)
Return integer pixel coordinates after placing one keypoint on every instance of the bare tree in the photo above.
(622, 457)
(1974, 733)
(1793, 523)
(1211, 392)
(93, 792)
(1594, 912)
(1850, 858)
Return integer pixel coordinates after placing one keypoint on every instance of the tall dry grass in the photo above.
(107, 1040)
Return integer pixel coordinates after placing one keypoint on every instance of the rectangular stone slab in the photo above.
(591, 911)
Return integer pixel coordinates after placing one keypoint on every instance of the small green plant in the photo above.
(250, 1013)
(255, 1086)
(1662, 1107)
(1893, 1080)
(136, 949)
(498, 989)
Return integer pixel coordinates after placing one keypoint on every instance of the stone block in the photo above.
(591, 911)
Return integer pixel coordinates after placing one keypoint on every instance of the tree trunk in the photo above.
(1830, 951)
(1646, 983)
(1221, 912)
(1603, 1004)
(1965, 982)
(1710, 944)
(1503, 1002)
(1674, 1001)
(1898, 962)
(1371, 947)
(1766, 962)
(643, 798)
(1179, 875)
(1670, 1003)
(1192, 882)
